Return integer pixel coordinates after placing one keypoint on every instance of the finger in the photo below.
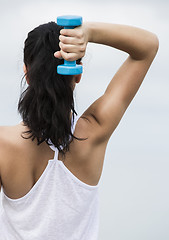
(58, 55)
(68, 32)
(69, 56)
(77, 31)
(72, 48)
(70, 40)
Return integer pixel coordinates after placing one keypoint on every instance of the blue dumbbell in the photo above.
(69, 67)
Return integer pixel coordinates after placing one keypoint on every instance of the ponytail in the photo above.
(47, 102)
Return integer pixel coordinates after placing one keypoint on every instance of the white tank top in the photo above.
(58, 207)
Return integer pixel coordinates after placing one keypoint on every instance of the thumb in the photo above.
(58, 55)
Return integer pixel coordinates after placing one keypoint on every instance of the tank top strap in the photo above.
(73, 124)
(51, 146)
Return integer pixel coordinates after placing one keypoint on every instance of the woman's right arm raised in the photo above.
(141, 45)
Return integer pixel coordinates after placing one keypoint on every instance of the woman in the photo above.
(51, 165)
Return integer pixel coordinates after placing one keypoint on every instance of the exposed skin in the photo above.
(98, 122)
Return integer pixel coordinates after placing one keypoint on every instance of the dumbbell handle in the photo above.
(69, 67)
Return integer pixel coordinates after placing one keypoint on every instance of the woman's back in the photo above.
(25, 161)
(61, 192)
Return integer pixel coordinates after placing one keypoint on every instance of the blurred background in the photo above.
(134, 193)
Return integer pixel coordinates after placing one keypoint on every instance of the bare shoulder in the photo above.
(5, 140)
(8, 136)
(7, 148)
(7, 143)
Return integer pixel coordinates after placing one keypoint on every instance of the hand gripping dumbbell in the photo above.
(69, 67)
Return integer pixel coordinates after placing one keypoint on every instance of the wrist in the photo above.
(89, 32)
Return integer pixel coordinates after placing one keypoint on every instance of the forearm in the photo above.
(138, 43)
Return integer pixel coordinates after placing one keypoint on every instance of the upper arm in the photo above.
(106, 112)
(4, 150)
(0, 170)
(0, 183)
(1, 146)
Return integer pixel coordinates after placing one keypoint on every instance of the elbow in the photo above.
(154, 45)
(149, 48)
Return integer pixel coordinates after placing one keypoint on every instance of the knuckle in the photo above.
(67, 57)
(82, 48)
(63, 47)
(60, 44)
(64, 40)
(80, 34)
(63, 32)
(81, 55)
(81, 41)
(60, 37)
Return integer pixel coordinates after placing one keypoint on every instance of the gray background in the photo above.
(134, 194)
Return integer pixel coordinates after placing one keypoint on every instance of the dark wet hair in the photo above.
(47, 102)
